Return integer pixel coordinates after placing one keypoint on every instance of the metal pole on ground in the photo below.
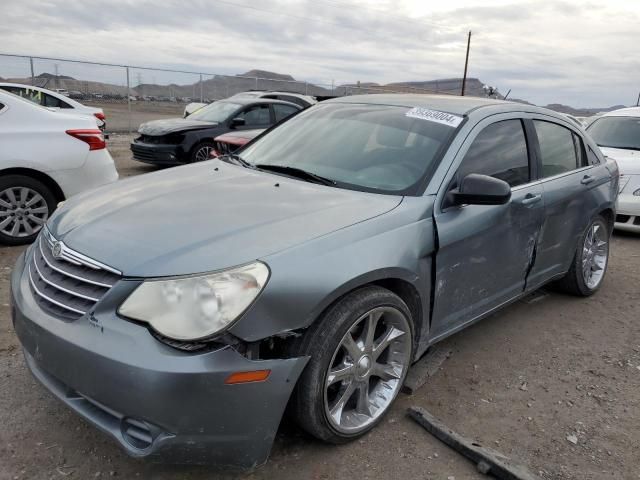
(201, 95)
(466, 64)
(33, 77)
(128, 99)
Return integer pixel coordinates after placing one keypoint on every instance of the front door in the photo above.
(485, 252)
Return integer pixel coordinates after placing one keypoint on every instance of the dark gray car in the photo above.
(181, 311)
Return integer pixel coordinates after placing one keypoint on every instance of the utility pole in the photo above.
(57, 80)
(33, 77)
(638, 101)
(466, 64)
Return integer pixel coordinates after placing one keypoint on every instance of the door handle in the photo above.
(530, 199)
(587, 179)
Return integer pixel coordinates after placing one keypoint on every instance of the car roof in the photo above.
(53, 93)
(623, 112)
(447, 103)
(253, 100)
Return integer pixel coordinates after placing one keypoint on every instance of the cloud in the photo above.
(546, 51)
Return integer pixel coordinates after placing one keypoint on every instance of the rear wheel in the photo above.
(25, 206)
(360, 353)
(590, 262)
(201, 152)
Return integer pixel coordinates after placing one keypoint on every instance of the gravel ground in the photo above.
(552, 381)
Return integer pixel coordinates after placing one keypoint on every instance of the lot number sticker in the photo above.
(435, 116)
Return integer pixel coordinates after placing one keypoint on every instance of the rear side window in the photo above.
(561, 150)
(283, 111)
(51, 101)
(499, 151)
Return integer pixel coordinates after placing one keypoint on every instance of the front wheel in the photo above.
(360, 354)
(201, 152)
(590, 262)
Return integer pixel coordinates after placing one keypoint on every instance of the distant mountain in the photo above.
(218, 87)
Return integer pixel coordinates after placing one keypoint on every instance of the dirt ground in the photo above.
(117, 113)
(523, 381)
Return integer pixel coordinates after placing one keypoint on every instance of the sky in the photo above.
(579, 53)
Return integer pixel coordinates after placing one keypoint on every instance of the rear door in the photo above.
(570, 175)
(485, 251)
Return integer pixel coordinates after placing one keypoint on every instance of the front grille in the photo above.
(67, 284)
(142, 152)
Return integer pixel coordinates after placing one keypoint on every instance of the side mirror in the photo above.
(476, 189)
(238, 122)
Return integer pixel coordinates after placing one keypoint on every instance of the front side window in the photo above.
(616, 132)
(256, 116)
(376, 148)
(557, 147)
(499, 151)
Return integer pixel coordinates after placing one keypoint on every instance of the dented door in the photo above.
(485, 252)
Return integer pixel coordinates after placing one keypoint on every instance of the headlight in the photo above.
(191, 308)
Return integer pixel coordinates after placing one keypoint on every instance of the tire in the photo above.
(590, 262)
(25, 206)
(321, 409)
(197, 154)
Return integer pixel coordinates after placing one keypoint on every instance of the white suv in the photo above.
(45, 158)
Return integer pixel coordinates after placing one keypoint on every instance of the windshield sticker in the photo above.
(435, 116)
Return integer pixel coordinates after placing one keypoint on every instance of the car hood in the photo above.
(171, 125)
(195, 218)
(628, 160)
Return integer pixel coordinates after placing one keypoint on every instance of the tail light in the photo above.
(100, 116)
(93, 138)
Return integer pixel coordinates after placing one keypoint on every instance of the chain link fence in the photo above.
(131, 95)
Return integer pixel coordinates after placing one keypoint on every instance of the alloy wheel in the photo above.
(202, 153)
(23, 211)
(595, 254)
(367, 369)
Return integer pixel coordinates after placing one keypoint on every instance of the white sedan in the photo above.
(617, 133)
(56, 100)
(45, 158)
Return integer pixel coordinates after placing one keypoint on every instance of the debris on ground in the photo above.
(487, 460)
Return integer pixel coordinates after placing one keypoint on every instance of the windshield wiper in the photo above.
(236, 159)
(296, 172)
(619, 147)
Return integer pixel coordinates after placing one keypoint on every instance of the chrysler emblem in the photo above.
(56, 249)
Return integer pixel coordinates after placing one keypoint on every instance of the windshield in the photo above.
(364, 147)
(216, 112)
(616, 132)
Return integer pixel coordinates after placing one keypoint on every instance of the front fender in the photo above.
(306, 279)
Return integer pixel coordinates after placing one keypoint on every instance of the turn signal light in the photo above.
(247, 377)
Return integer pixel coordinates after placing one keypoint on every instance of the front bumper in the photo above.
(153, 400)
(158, 154)
(628, 213)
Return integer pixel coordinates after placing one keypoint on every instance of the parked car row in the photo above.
(319, 254)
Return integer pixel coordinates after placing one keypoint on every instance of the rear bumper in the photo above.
(158, 154)
(628, 213)
(97, 170)
(153, 400)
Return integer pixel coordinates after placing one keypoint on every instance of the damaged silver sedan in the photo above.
(180, 312)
